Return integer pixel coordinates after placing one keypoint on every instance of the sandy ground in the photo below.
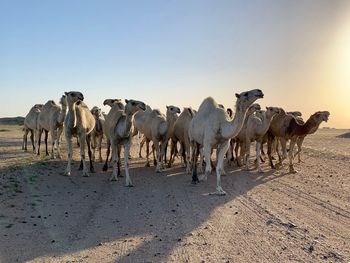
(270, 217)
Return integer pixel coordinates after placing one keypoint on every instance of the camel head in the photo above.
(38, 106)
(229, 112)
(173, 109)
(74, 96)
(132, 106)
(294, 113)
(320, 116)
(63, 100)
(272, 111)
(253, 108)
(247, 98)
(113, 102)
(96, 111)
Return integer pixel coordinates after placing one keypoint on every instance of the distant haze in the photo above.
(177, 52)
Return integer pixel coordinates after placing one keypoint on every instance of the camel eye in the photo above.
(245, 94)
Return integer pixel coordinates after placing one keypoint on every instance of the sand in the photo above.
(270, 217)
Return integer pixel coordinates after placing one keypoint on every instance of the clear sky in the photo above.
(177, 52)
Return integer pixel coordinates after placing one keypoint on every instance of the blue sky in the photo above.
(171, 52)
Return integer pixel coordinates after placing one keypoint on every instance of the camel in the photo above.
(277, 132)
(255, 130)
(240, 138)
(211, 128)
(296, 130)
(180, 134)
(80, 122)
(50, 119)
(115, 104)
(171, 117)
(120, 135)
(97, 133)
(30, 125)
(139, 123)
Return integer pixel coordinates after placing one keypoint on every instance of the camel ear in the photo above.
(126, 101)
(267, 108)
(167, 106)
(66, 93)
(237, 95)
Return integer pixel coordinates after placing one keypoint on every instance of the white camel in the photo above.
(120, 135)
(255, 131)
(80, 122)
(30, 125)
(50, 119)
(97, 133)
(115, 104)
(211, 128)
(180, 134)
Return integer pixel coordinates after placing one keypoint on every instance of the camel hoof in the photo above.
(129, 185)
(66, 173)
(86, 174)
(120, 175)
(195, 181)
(260, 171)
(105, 168)
(92, 170)
(147, 165)
(219, 193)
(113, 178)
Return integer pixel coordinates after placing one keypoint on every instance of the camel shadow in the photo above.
(72, 216)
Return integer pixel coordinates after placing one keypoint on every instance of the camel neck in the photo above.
(231, 129)
(72, 118)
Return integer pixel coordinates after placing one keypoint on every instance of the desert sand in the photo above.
(271, 217)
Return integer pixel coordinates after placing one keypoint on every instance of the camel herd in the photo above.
(197, 133)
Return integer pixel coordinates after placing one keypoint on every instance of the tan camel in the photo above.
(121, 134)
(50, 119)
(159, 127)
(80, 122)
(180, 134)
(296, 130)
(171, 117)
(240, 138)
(30, 125)
(115, 104)
(255, 131)
(97, 133)
(211, 128)
(277, 133)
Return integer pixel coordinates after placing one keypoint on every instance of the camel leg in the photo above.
(172, 153)
(247, 155)
(220, 167)
(300, 141)
(128, 181)
(115, 161)
(207, 157)
(269, 150)
(59, 133)
(154, 154)
(284, 150)
(141, 146)
(24, 145)
(187, 158)
(290, 155)
(100, 148)
(93, 146)
(32, 139)
(82, 139)
(147, 153)
(258, 153)
(119, 160)
(46, 135)
(105, 166)
(70, 155)
(157, 157)
(53, 141)
(88, 142)
(38, 141)
(195, 154)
